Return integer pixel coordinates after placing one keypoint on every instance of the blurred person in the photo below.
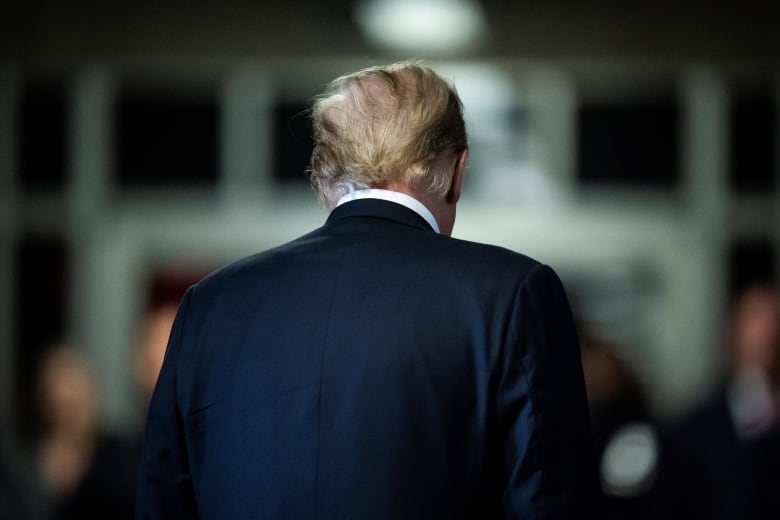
(375, 367)
(155, 330)
(110, 486)
(754, 355)
(68, 411)
(722, 460)
(614, 394)
(84, 471)
(625, 438)
(105, 481)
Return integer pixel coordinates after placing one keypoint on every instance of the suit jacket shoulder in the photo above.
(373, 369)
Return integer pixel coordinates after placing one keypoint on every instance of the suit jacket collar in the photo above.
(378, 208)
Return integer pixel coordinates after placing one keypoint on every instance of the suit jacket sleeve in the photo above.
(165, 487)
(542, 412)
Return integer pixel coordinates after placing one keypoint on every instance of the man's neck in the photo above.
(399, 197)
(442, 212)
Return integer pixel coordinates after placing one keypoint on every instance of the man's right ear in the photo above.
(453, 195)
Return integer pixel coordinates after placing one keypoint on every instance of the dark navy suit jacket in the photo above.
(371, 369)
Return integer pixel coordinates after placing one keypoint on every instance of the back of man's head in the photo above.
(382, 125)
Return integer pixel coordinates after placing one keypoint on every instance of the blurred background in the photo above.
(631, 145)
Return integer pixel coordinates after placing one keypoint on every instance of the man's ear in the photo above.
(453, 195)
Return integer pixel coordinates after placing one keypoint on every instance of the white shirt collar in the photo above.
(393, 196)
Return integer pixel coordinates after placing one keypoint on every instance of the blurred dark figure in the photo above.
(17, 488)
(624, 438)
(91, 474)
(85, 473)
(722, 460)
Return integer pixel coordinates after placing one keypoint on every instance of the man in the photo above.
(376, 367)
(722, 458)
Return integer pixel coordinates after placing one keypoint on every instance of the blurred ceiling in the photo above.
(63, 32)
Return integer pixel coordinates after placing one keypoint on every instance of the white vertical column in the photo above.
(98, 317)
(8, 104)
(91, 147)
(246, 137)
(705, 165)
(552, 104)
(705, 196)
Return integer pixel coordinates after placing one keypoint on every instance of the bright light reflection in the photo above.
(421, 25)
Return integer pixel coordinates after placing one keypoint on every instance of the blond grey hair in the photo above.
(384, 124)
